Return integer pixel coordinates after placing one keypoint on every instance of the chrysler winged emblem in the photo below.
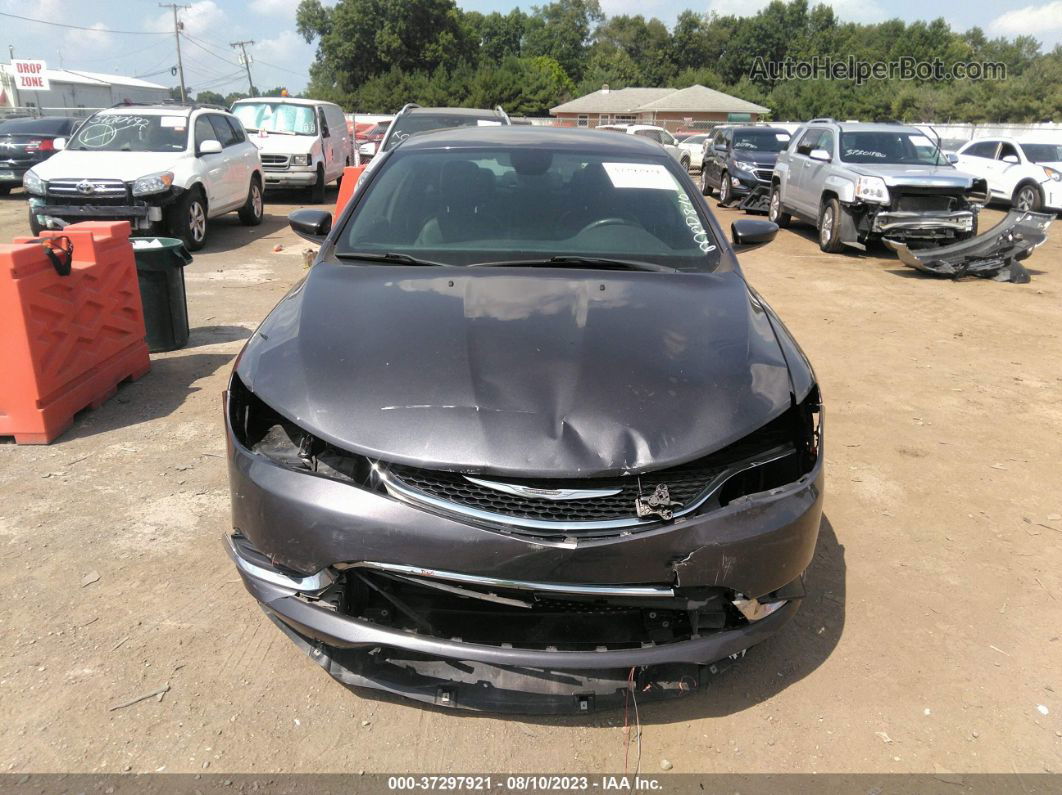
(659, 503)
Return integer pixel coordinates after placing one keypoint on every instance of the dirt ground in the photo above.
(929, 642)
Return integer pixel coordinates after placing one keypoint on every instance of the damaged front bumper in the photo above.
(900, 223)
(992, 255)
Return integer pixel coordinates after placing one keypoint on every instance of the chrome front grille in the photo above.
(275, 162)
(88, 191)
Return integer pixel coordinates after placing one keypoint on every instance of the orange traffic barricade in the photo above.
(351, 175)
(72, 326)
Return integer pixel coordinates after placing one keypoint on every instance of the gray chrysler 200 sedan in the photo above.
(524, 437)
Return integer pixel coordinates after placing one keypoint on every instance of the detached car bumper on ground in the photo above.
(505, 487)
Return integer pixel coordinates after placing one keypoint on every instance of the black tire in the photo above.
(253, 210)
(1027, 197)
(726, 193)
(685, 163)
(35, 227)
(830, 226)
(706, 189)
(317, 190)
(188, 219)
(775, 213)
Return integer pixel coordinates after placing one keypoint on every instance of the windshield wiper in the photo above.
(390, 256)
(570, 259)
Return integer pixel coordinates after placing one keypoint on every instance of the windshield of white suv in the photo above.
(906, 148)
(1043, 153)
(412, 123)
(464, 207)
(132, 132)
(277, 117)
(760, 140)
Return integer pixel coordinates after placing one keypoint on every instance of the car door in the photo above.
(813, 180)
(979, 159)
(246, 160)
(211, 166)
(793, 191)
(234, 179)
(328, 150)
(670, 144)
(337, 123)
(714, 153)
(1008, 172)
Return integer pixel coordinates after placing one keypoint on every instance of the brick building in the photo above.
(695, 106)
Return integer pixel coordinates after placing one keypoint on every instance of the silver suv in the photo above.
(861, 182)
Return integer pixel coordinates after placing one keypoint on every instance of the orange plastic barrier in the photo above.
(67, 341)
(351, 174)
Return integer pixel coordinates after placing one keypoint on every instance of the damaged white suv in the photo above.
(164, 168)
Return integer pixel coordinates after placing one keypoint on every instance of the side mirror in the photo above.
(719, 147)
(313, 225)
(1012, 159)
(820, 154)
(746, 232)
(210, 147)
(59, 144)
(952, 158)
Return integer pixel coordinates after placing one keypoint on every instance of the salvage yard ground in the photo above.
(931, 639)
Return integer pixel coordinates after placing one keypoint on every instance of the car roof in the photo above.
(751, 128)
(572, 139)
(866, 126)
(163, 109)
(286, 100)
(456, 111)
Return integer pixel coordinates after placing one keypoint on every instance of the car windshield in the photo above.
(761, 140)
(694, 139)
(132, 132)
(907, 148)
(279, 117)
(1043, 153)
(471, 206)
(44, 126)
(412, 123)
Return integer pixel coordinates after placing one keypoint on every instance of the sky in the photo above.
(280, 57)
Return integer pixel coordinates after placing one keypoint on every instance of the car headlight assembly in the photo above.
(300, 160)
(34, 184)
(1053, 174)
(741, 165)
(153, 183)
(872, 189)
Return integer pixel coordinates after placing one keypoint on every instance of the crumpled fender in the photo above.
(992, 255)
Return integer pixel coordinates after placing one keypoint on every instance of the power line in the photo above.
(195, 43)
(80, 27)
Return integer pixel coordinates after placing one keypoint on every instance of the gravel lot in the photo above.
(930, 640)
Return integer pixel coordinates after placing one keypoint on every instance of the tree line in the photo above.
(376, 55)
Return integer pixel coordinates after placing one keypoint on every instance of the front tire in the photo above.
(189, 220)
(685, 162)
(34, 225)
(317, 190)
(1027, 198)
(252, 211)
(706, 189)
(775, 213)
(830, 226)
(726, 193)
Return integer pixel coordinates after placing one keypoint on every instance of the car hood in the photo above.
(540, 374)
(126, 166)
(281, 144)
(921, 176)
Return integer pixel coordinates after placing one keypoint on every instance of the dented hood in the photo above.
(531, 372)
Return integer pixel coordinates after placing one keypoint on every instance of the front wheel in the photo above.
(252, 211)
(706, 189)
(1027, 198)
(775, 214)
(830, 227)
(317, 190)
(189, 220)
(34, 224)
(725, 191)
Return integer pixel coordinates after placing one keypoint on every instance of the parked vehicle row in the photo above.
(656, 134)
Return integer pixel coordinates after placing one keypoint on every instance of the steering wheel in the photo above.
(601, 222)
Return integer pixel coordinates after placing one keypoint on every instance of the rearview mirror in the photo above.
(59, 144)
(747, 232)
(313, 225)
(210, 147)
(820, 154)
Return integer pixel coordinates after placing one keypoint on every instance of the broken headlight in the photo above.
(265, 432)
(872, 189)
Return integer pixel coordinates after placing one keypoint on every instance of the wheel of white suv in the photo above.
(830, 226)
(1027, 198)
(189, 219)
(252, 211)
(725, 192)
(34, 225)
(774, 210)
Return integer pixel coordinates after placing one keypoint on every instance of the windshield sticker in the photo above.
(693, 222)
(921, 140)
(640, 175)
(782, 136)
(864, 153)
(177, 122)
(487, 123)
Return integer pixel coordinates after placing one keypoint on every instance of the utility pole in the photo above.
(246, 61)
(177, 37)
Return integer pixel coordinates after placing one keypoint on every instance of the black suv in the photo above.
(413, 119)
(737, 160)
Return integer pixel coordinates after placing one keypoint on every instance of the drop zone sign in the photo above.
(29, 75)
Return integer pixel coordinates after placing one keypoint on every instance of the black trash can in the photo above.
(160, 265)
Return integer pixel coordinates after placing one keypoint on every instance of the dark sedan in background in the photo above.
(26, 142)
(524, 438)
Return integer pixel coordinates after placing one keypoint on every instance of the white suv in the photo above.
(163, 168)
(658, 134)
(1027, 174)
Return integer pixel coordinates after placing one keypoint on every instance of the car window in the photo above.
(132, 132)
(897, 147)
(1007, 149)
(42, 126)
(222, 130)
(323, 123)
(809, 141)
(414, 123)
(761, 140)
(204, 131)
(237, 129)
(981, 149)
(825, 142)
(466, 206)
(1043, 153)
(667, 138)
